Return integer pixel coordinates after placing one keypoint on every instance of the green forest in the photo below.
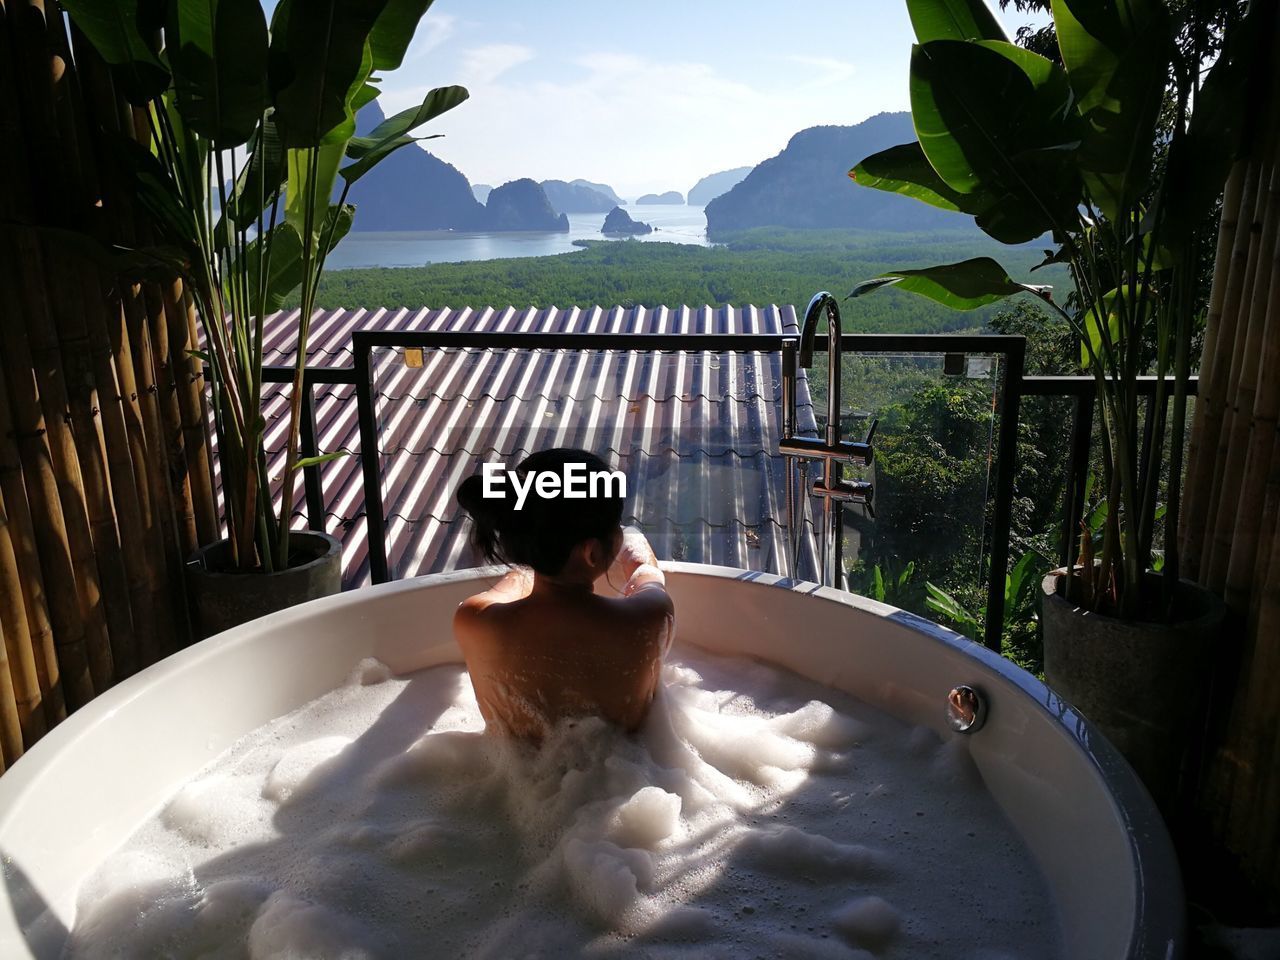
(761, 267)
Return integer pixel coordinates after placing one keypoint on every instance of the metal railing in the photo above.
(1014, 386)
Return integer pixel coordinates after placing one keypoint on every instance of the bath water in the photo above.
(757, 814)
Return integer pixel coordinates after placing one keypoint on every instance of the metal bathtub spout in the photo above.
(833, 451)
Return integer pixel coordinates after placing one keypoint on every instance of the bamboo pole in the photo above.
(96, 418)
(1216, 369)
(195, 420)
(1229, 385)
(144, 315)
(1238, 538)
(169, 378)
(66, 614)
(1254, 516)
(24, 614)
(1244, 421)
(140, 528)
(19, 650)
(69, 676)
(10, 729)
(1198, 464)
(143, 311)
(67, 392)
(44, 357)
(112, 370)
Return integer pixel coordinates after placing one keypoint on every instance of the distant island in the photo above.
(619, 223)
(713, 185)
(600, 188)
(523, 205)
(413, 190)
(576, 197)
(671, 196)
(807, 186)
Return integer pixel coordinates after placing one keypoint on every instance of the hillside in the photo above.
(807, 186)
(671, 196)
(522, 205)
(412, 190)
(482, 191)
(715, 184)
(576, 198)
(599, 188)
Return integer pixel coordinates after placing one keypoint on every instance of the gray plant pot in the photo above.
(223, 599)
(1143, 685)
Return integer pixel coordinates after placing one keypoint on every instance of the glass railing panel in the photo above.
(926, 545)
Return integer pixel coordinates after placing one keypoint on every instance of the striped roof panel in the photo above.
(695, 432)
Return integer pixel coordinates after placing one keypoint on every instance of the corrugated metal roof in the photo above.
(695, 432)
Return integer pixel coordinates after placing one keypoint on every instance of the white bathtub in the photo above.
(86, 787)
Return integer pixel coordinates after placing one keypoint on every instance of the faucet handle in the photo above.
(871, 432)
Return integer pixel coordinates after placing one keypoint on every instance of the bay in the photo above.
(672, 223)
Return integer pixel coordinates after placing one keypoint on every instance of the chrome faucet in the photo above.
(831, 449)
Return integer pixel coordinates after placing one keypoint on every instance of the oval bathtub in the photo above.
(1085, 818)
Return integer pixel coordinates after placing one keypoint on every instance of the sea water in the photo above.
(672, 223)
(756, 814)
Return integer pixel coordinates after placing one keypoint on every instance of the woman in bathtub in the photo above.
(546, 642)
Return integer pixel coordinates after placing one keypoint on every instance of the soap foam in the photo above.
(755, 814)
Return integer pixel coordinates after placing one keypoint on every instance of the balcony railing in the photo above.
(1013, 387)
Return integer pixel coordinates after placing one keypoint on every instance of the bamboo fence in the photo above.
(105, 479)
(1230, 536)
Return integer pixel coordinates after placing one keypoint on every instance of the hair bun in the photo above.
(544, 531)
(472, 499)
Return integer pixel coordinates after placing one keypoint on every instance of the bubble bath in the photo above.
(756, 814)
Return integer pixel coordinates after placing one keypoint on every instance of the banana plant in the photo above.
(1018, 600)
(250, 128)
(1030, 148)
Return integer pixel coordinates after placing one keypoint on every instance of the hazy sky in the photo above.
(649, 96)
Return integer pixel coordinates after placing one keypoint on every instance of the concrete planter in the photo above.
(224, 599)
(1143, 685)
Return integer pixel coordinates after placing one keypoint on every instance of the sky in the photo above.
(649, 96)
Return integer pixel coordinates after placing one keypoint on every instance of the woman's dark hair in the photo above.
(546, 529)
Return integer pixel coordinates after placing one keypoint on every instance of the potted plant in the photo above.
(1118, 153)
(246, 130)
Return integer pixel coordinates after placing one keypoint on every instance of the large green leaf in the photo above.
(152, 186)
(118, 31)
(994, 117)
(311, 176)
(939, 601)
(1112, 308)
(954, 20)
(905, 170)
(320, 61)
(961, 286)
(262, 177)
(393, 32)
(218, 52)
(392, 134)
(285, 272)
(438, 101)
(380, 151)
(1117, 59)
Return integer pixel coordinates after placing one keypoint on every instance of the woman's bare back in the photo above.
(538, 651)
